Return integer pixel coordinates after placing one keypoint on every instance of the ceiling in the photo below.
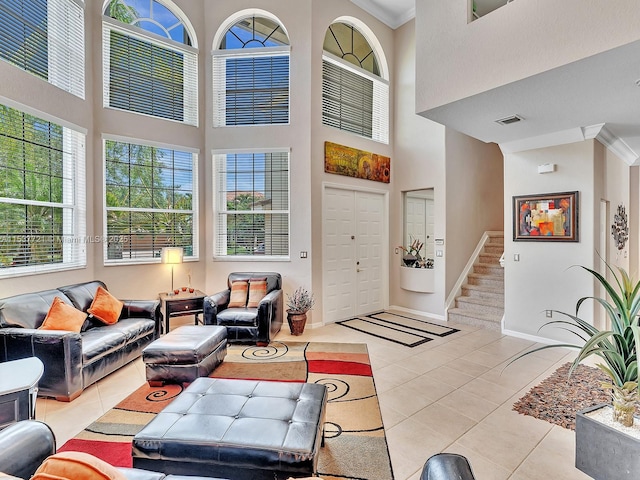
(594, 97)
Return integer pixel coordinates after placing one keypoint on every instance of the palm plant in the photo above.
(617, 347)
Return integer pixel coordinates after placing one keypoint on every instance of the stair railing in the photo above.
(456, 291)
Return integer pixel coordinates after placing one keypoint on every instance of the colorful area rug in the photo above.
(355, 446)
(558, 397)
(404, 329)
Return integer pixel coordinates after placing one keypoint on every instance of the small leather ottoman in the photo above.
(240, 429)
(184, 354)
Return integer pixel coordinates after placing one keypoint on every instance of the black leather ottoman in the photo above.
(240, 429)
(184, 354)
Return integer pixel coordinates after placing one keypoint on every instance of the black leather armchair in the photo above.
(447, 466)
(248, 325)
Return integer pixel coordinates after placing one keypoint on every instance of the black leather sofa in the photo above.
(25, 445)
(248, 325)
(73, 361)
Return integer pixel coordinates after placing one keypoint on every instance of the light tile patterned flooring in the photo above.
(451, 394)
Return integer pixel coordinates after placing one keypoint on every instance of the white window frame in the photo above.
(219, 82)
(73, 203)
(220, 211)
(194, 202)
(380, 111)
(65, 46)
(189, 75)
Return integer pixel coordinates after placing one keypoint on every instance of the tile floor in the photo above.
(451, 394)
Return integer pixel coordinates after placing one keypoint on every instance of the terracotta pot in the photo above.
(297, 322)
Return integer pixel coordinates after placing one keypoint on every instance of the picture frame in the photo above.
(546, 217)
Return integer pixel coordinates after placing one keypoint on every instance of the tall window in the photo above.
(149, 63)
(354, 96)
(252, 204)
(150, 201)
(42, 198)
(46, 38)
(251, 74)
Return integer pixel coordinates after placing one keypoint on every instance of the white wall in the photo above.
(324, 14)
(418, 162)
(546, 276)
(474, 196)
(306, 23)
(296, 19)
(518, 40)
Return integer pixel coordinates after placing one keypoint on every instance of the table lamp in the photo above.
(172, 256)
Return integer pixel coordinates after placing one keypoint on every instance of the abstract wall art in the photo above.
(352, 162)
(548, 217)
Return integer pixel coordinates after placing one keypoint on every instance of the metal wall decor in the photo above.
(620, 228)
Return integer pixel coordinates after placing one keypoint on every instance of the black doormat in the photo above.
(403, 329)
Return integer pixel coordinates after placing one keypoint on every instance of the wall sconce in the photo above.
(172, 256)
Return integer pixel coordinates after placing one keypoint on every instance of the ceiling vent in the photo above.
(509, 120)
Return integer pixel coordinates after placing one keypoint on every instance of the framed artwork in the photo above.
(356, 163)
(548, 217)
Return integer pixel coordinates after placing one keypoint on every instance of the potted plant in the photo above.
(411, 256)
(298, 304)
(617, 349)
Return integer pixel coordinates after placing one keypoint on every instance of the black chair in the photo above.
(248, 325)
(447, 466)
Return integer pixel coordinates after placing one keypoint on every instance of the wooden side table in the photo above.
(19, 389)
(183, 303)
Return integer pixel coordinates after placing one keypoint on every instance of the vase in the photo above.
(409, 260)
(297, 322)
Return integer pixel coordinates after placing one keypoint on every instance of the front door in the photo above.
(354, 275)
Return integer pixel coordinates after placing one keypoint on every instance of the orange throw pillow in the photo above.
(105, 307)
(63, 317)
(238, 298)
(76, 466)
(257, 291)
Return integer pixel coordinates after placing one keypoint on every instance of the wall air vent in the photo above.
(509, 120)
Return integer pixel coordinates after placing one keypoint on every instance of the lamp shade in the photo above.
(172, 255)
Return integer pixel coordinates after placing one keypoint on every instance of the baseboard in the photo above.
(440, 318)
(531, 338)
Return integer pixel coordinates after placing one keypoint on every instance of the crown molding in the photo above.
(392, 21)
(618, 147)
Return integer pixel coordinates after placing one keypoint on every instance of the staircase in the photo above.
(482, 299)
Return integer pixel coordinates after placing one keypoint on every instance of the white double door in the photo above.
(354, 245)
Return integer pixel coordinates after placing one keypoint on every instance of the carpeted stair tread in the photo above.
(488, 321)
(484, 289)
(486, 275)
(480, 301)
(482, 316)
(489, 265)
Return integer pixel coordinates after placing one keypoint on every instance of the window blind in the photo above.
(252, 204)
(148, 75)
(42, 197)
(150, 201)
(45, 38)
(251, 89)
(354, 101)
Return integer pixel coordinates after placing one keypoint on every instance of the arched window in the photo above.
(150, 63)
(355, 97)
(251, 73)
(45, 38)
